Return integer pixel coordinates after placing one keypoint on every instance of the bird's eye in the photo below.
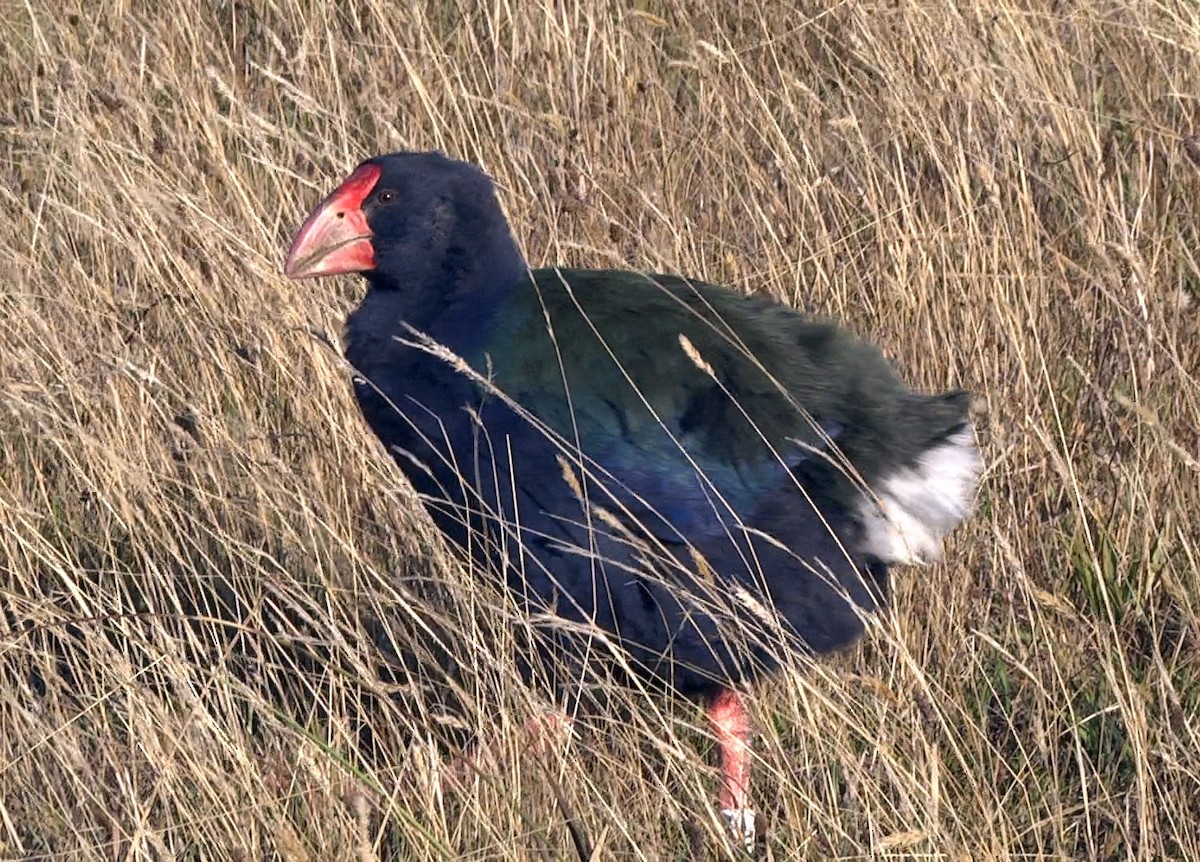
(386, 197)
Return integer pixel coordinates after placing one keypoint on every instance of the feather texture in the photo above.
(686, 479)
(705, 475)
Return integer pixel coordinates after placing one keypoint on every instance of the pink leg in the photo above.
(543, 731)
(731, 726)
(540, 735)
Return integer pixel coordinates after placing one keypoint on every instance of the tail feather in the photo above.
(913, 508)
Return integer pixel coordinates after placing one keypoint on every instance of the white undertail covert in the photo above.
(913, 509)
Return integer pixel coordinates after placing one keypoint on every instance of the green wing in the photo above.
(639, 367)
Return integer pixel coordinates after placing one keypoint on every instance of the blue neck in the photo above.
(449, 296)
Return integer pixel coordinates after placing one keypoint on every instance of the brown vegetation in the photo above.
(201, 544)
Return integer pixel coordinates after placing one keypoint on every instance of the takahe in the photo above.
(676, 479)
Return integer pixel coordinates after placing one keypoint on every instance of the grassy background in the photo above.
(200, 543)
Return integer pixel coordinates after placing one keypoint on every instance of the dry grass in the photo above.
(200, 543)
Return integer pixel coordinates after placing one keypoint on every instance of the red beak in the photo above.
(336, 238)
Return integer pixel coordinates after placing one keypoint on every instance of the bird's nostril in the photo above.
(341, 214)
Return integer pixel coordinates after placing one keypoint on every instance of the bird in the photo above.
(685, 481)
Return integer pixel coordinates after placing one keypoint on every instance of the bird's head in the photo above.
(404, 215)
